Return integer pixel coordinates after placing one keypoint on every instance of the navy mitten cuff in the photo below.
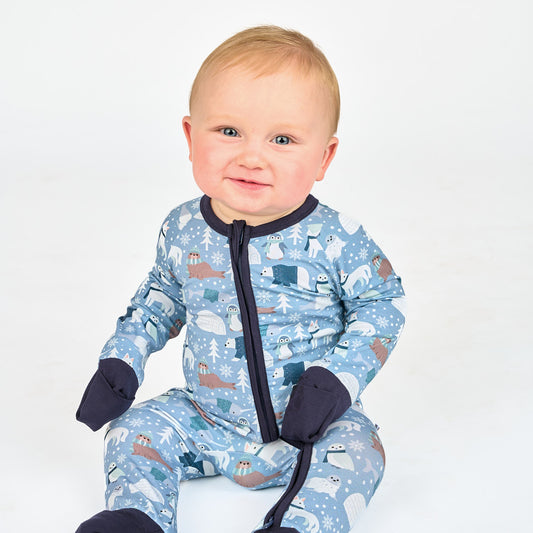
(120, 521)
(318, 399)
(110, 393)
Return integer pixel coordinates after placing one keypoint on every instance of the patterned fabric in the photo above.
(262, 305)
(337, 305)
(163, 441)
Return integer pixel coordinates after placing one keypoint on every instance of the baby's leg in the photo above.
(346, 466)
(148, 450)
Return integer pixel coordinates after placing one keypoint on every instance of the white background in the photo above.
(435, 159)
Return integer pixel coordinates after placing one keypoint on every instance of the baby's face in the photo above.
(258, 145)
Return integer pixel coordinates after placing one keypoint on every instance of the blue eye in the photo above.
(230, 132)
(282, 139)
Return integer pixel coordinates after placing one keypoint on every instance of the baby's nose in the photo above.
(251, 156)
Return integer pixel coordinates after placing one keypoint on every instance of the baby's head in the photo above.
(263, 111)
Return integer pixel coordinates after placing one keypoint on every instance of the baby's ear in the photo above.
(187, 127)
(329, 154)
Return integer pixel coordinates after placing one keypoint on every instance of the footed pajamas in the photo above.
(287, 322)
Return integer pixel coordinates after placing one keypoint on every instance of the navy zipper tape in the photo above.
(239, 234)
(303, 462)
(253, 343)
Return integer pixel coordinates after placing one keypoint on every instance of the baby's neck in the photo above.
(228, 215)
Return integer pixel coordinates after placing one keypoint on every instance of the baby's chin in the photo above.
(254, 215)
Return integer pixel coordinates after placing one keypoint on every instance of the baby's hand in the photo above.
(110, 393)
(316, 401)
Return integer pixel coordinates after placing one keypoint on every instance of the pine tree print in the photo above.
(283, 301)
(207, 237)
(213, 350)
(242, 380)
(299, 329)
(295, 234)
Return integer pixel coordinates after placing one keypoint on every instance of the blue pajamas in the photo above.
(158, 443)
(286, 325)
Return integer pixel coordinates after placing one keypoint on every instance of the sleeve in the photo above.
(374, 306)
(155, 314)
(373, 300)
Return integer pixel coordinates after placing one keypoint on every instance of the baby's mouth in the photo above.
(249, 184)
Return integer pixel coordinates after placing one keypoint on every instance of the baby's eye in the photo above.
(230, 132)
(282, 139)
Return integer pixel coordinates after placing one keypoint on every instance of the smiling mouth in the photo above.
(249, 184)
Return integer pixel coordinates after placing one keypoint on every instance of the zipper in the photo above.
(239, 239)
(303, 462)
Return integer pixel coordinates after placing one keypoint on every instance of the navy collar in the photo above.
(263, 229)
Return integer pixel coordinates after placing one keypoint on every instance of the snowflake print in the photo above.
(225, 370)
(111, 343)
(136, 422)
(382, 322)
(295, 255)
(185, 239)
(130, 328)
(228, 437)
(217, 258)
(356, 446)
(294, 317)
(263, 297)
(327, 523)
(166, 455)
(195, 204)
(121, 458)
(363, 254)
(357, 343)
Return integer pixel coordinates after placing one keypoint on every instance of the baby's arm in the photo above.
(373, 297)
(156, 314)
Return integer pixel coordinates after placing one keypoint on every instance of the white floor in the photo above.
(438, 165)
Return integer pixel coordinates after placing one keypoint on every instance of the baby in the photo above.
(291, 310)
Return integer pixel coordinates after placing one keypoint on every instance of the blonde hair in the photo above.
(265, 50)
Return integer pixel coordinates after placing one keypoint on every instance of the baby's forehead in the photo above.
(231, 82)
(257, 69)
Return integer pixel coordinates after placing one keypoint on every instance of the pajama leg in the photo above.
(148, 451)
(346, 466)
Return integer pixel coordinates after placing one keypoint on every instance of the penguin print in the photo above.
(151, 327)
(292, 296)
(274, 247)
(284, 348)
(233, 319)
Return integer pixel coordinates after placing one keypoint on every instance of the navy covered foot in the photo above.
(120, 521)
